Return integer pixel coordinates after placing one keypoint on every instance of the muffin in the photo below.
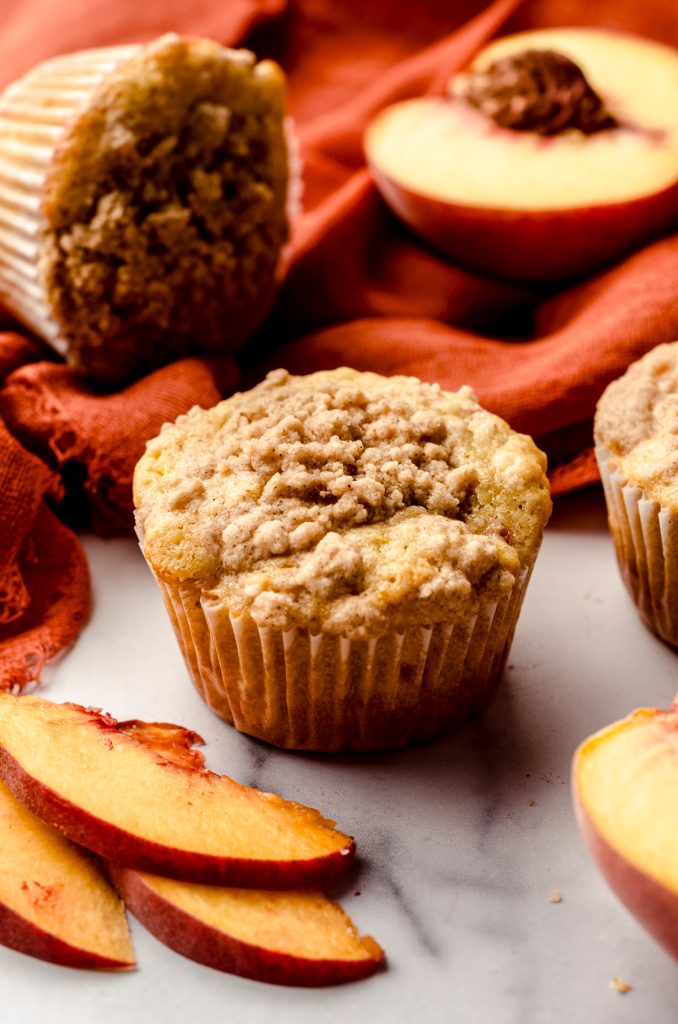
(343, 555)
(143, 199)
(636, 426)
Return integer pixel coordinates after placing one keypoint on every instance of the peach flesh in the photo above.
(524, 206)
(54, 902)
(286, 938)
(625, 782)
(70, 766)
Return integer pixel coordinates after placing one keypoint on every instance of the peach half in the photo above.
(510, 174)
(88, 777)
(55, 903)
(625, 785)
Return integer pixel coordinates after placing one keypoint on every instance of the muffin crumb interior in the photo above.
(165, 207)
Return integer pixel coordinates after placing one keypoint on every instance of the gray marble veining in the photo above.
(459, 842)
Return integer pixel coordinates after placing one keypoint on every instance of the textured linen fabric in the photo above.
(360, 288)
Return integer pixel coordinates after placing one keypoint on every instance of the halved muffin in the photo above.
(143, 201)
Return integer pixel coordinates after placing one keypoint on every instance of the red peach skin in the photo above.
(536, 245)
(80, 773)
(19, 934)
(55, 902)
(339, 953)
(625, 785)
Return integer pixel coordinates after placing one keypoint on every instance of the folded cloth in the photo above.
(360, 290)
(93, 441)
(44, 582)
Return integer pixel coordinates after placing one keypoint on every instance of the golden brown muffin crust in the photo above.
(637, 423)
(344, 501)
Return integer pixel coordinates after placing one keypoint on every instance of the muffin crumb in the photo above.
(164, 205)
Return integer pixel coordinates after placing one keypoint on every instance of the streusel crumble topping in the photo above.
(344, 498)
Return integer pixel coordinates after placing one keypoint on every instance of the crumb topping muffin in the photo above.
(161, 173)
(343, 501)
(636, 433)
(637, 422)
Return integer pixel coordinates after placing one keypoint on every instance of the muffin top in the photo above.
(637, 421)
(343, 501)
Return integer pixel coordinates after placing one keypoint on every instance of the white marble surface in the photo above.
(455, 865)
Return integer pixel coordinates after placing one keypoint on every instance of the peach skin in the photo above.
(625, 783)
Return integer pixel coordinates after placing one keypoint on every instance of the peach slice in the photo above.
(296, 938)
(79, 772)
(625, 784)
(55, 904)
(287, 938)
(525, 204)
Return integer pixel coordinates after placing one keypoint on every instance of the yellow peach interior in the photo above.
(125, 783)
(303, 924)
(446, 149)
(627, 782)
(56, 888)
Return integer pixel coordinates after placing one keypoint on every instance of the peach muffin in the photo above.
(343, 555)
(636, 425)
(143, 200)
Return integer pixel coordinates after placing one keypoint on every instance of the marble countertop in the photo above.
(459, 842)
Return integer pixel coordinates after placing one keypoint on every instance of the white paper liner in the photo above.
(329, 693)
(34, 113)
(645, 536)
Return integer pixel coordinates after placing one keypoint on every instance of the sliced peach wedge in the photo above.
(554, 153)
(55, 903)
(82, 774)
(287, 938)
(625, 785)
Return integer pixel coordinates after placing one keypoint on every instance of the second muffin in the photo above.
(143, 201)
(343, 555)
(636, 426)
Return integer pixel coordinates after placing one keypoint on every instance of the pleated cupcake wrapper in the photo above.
(645, 535)
(329, 693)
(34, 113)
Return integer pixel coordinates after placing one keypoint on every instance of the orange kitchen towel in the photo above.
(360, 290)
(92, 441)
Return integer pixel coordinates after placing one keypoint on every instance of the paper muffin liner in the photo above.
(35, 111)
(645, 535)
(324, 692)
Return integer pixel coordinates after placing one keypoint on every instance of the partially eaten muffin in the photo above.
(146, 201)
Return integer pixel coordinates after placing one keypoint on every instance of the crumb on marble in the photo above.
(619, 985)
(555, 896)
